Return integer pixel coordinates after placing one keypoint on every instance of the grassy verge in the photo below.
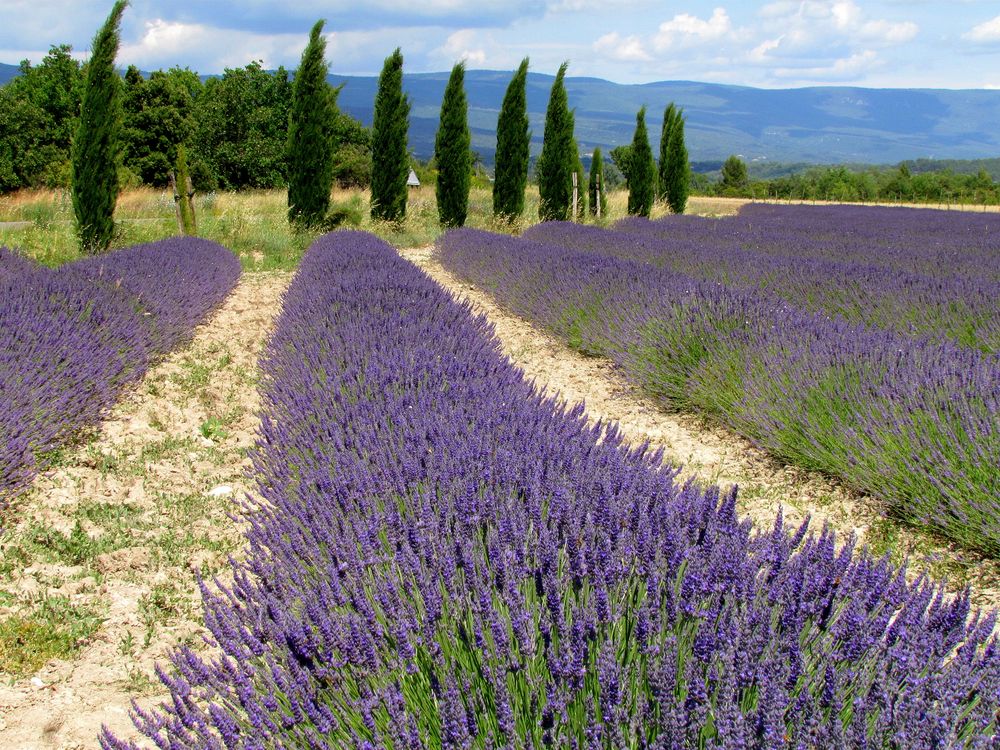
(254, 224)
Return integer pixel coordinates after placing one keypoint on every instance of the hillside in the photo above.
(817, 125)
(814, 125)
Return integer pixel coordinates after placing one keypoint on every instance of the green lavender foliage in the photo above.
(310, 143)
(597, 179)
(558, 158)
(452, 152)
(390, 161)
(513, 141)
(642, 180)
(678, 173)
(669, 119)
(96, 146)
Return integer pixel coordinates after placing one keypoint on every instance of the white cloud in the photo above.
(761, 52)
(686, 30)
(462, 45)
(617, 47)
(840, 70)
(887, 32)
(987, 31)
(846, 14)
(164, 43)
(813, 22)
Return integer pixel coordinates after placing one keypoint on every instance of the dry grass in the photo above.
(253, 223)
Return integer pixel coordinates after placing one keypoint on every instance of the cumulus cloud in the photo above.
(348, 15)
(164, 43)
(839, 70)
(617, 47)
(686, 30)
(462, 45)
(812, 22)
(987, 31)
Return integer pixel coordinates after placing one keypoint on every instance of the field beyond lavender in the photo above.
(860, 342)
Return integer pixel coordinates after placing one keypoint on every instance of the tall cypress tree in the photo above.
(390, 161)
(558, 158)
(642, 178)
(678, 169)
(452, 152)
(513, 140)
(96, 146)
(310, 143)
(597, 179)
(669, 118)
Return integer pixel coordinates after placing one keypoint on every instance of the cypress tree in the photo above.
(95, 151)
(310, 144)
(678, 169)
(642, 180)
(597, 178)
(669, 118)
(513, 140)
(390, 161)
(558, 158)
(452, 152)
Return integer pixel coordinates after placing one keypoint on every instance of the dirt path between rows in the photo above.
(711, 453)
(107, 542)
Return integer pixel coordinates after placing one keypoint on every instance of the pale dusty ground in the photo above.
(709, 452)
(152, 491)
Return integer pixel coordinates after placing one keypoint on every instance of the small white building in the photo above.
(412, 180)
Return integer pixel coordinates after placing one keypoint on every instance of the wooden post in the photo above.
(177, 202)
(184, 194)
(575, 188)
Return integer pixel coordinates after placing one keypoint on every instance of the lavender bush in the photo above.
(72, 338)
(869, 266)
(912, 421)
(442, 557)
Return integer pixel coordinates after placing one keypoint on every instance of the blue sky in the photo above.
(777, 44)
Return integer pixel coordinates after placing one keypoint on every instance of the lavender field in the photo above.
(442, 557)
(921, 272)
(72, 338)
(883, 375)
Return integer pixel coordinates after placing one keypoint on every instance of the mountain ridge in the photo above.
(813, 124)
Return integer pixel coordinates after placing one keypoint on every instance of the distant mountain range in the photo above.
(819, 125)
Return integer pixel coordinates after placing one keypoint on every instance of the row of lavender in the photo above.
(441, 557)
(73, 337)
(920, 272)
(911, 421)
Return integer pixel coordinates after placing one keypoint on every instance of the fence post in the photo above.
(575, 188)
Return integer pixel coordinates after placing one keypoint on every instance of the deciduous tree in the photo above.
(734, 174)
(158, 116)
(241, 135)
